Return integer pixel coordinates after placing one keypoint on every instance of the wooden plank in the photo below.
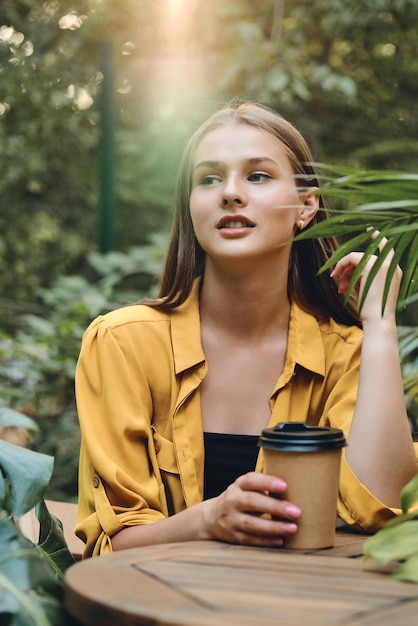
(401, 614)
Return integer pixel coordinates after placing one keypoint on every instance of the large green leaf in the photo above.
(399, 537)
(400, 519)
(28, 473)
(23, 570)
(9, 417)
(408, 570)
(52, 544)
(31, 576)
(409, 495)
(393, 543)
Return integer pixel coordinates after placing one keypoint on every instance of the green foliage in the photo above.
(37, 361)
(14, 419)
(408, 351)
(399, 538)
(31, 576)
(383, 201)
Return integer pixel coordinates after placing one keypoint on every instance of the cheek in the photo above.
(194, 205)
(199, 212)
(197, 220)
(194, 213)
(280, 198)
(284, 215)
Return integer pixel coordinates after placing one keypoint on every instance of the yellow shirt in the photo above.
(137, 388)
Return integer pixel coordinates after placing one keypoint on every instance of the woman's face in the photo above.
(244, 202)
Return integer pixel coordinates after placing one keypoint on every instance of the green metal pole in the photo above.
(106, 150)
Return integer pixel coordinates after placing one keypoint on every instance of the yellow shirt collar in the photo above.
(305, 346)
(185, 331)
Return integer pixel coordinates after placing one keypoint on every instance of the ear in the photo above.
(309, 208)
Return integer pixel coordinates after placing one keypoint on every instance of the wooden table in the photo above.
(215, 584)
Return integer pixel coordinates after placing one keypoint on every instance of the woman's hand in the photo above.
(372, 306)
(235, 515)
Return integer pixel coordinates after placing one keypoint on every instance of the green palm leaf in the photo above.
(383, 201)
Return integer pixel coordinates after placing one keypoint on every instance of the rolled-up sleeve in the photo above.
(357, 506)
(119, 482)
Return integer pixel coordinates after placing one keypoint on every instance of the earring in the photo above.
(300, 224)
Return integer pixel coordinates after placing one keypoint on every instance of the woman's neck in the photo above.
(247, 306)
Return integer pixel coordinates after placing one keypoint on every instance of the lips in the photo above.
(236, 221)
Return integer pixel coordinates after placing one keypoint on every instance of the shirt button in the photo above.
(96, 482)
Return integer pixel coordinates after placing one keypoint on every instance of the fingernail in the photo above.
(292, 511)
(290, 528)
(280, 485)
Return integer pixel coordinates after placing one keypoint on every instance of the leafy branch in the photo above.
(374, 200)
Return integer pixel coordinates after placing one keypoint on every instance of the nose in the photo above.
(233, 193)
(226, 201)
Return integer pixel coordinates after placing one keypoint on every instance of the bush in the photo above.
(37, 360)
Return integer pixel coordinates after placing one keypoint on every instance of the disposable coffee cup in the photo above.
(308, 459)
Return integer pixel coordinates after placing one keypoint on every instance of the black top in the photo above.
(226, 458)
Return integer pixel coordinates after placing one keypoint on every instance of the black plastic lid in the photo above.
(300, 437)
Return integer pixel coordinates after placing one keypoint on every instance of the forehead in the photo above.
(239, 141)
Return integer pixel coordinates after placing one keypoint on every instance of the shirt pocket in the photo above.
(168, 469)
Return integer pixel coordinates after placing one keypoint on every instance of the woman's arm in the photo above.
(380, 449)
(234, 517)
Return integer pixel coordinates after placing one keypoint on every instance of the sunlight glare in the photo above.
(175, 6)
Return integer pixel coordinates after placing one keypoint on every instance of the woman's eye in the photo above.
(258, 177)
(208, 180)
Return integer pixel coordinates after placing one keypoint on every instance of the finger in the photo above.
(348, 262)
(258, 503)
(262, 531)
(345, 279)
(256, 481)
(262, 493)
(382, 242)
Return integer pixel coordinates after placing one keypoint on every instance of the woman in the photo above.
(172, 394)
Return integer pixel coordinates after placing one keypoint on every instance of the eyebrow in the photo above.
(252, 161)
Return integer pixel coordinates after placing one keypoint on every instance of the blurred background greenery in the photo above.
(97, 99)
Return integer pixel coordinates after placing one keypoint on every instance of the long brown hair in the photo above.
(185, 259)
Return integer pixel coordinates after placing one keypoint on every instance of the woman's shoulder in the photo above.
(124, 317)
